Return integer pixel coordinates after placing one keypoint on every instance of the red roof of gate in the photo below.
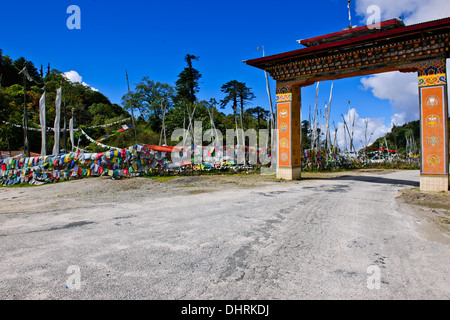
(350, 33)
(344, 41)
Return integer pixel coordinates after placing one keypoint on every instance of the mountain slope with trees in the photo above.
(159, 108)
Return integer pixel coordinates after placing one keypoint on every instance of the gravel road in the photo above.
(341, 236)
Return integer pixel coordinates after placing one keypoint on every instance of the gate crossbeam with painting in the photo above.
(421, 48)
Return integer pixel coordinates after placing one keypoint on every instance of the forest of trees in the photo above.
(399, 138)
(159, 108)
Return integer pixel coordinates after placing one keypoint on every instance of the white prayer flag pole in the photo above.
(57, 120)
(43, 124)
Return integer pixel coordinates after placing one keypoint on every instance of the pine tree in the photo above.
(187, 85)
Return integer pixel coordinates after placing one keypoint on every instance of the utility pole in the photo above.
(131, 108)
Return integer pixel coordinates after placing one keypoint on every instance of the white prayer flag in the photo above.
(57, 121)
(43, 124)
(71, 132)
(25, 72)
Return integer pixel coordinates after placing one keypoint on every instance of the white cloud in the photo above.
(400, 118)
(399, 88)
(74, 76)
(412, 11)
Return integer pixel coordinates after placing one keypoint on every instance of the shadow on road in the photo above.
(373, 179)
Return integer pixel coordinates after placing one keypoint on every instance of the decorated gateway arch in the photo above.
(391, 46)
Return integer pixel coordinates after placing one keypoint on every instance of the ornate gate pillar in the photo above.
(433, 125)
(289, 149)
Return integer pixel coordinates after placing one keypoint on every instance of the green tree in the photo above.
(102, 112)
(21, 62)
(245, 96)
(231, 90)
(150, 98)
(10, 74)
(306, 135)
(238, 94)
(259, 113)
(187, 85)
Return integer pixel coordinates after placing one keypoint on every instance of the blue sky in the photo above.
(151, 38)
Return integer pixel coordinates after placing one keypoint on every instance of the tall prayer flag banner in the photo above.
(43, 124)
(57, 121)
(25, 72)
(71, 132)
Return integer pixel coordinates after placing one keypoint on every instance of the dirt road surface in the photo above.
(353, 235)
